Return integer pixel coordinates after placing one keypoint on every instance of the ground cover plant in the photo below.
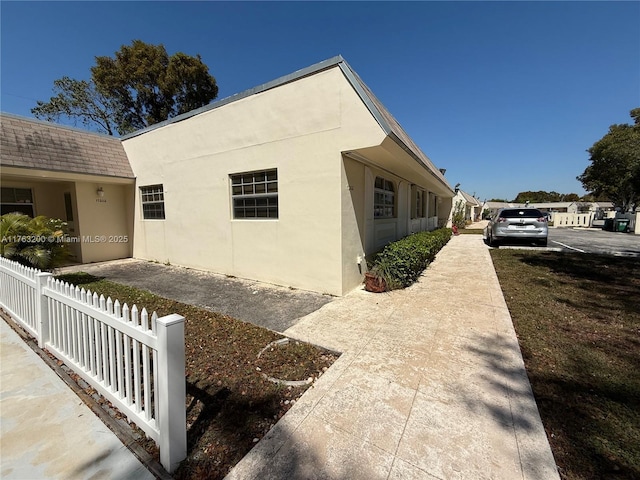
(230, 403)
(577, 318)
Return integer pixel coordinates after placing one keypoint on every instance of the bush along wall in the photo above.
(400, 263)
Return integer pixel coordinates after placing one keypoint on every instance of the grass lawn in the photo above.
(577, 318)
(229, 402)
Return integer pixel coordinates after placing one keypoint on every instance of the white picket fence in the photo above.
(133, 359)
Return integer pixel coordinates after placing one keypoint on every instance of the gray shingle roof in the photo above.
(34, 144)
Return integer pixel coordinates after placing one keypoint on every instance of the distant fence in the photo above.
(573, 219)
(587, 219)
(135, 360)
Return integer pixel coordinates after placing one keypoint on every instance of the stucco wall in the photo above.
(299, 128)
(104, 221)
(353, 223)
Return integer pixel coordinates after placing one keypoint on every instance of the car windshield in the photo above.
(521, 213)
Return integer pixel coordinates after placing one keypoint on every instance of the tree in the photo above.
(544, 197)
(140, 86)
(78, 99)
(615, 165)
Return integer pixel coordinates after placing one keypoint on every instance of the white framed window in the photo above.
(255, 194)
(17, 200)
(384, 198)
(152, 199)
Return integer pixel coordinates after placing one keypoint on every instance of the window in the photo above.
(17, 200)
(419, 203)
(152, 202)
(255, 194)
(524, 213)
(384, 199)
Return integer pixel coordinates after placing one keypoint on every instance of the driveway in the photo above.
(586, 240)
(273, 307)
(593, 240)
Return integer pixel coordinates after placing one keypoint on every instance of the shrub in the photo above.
(400, 263)
(35, 242)
(457, 217)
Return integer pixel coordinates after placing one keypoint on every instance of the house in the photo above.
(293, 182)
(81, 177)
(472, 206)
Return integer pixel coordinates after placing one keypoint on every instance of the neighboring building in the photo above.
(553, 207)
(472, 206)
(293, 182)
(81, 177)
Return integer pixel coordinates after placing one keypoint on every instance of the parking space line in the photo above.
(569, 247)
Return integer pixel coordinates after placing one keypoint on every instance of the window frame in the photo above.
(159, 192)
(254, 195)
(21, 204)
(384, 190)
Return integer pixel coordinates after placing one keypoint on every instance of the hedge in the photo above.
(400, 263)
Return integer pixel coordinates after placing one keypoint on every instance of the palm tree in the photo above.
(35, 242)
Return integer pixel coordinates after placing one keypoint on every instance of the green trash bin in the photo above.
(608, 224)
(621, 225)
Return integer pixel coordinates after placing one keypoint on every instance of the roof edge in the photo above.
(298, 74)
(387, 128)
(63, 171)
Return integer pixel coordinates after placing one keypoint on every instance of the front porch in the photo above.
(97, 210)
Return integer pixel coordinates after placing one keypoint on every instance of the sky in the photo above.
(507, 96)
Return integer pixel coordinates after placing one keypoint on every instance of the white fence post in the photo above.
(172, 391)
(42, 309)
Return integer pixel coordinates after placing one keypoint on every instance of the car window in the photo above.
(521, 213)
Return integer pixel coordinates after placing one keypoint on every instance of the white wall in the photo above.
(307, 130)
(299, 128)
(105, 220)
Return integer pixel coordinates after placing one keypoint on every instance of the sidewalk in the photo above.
(47, 432)
(431, 384)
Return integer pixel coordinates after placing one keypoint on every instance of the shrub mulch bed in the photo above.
(230, 403)
(577, 318)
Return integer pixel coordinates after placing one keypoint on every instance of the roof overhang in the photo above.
(33, 174)
(393, 159)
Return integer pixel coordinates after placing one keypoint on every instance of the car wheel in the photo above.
(492, 241)
(543, 242)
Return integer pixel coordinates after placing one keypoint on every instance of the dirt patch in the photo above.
(230, 404)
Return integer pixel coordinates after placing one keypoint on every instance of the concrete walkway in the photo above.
(47, 432)
(431, 385)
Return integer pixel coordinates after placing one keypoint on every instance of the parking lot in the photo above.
(589, 241)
